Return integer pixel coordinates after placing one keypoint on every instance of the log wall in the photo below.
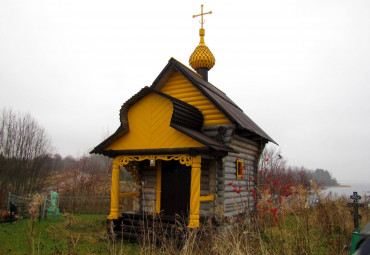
(148, 194)
(235, 195)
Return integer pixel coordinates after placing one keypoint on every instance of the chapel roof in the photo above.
(216, 96)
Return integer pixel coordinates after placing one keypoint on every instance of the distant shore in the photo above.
(337, 186)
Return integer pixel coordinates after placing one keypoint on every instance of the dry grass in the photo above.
(282, 225)
(34, 209)
(292, 226)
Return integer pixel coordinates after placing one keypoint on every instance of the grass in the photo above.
(51, 237)
(288, 227)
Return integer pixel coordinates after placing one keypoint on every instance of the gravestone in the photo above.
(53, 209)
(355, 205)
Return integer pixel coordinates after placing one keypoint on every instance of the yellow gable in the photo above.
(179, 87)
(149, 127)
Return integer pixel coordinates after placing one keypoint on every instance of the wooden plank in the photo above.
(148, 196)
(204, 186)
(227, 179)
(147, 190)
(232, 194)
(243, 150)
(230, 176)
(222, 187)
(243, 144)
(245, 140)
(205, 206)
(227, 201)
(238, 209)
(234, 156)
(229, 164)
(230, 170)
(148, 203)
(238, 182)
(207, 198)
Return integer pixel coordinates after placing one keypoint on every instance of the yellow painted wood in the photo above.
(202, 57)
(159, 187)
(211, 111)
(215, 116)
(134, 194)
(149, 124)
(114, 192)
(195, 192)
(179, 87)
(216, 122)
(193, 94)
(206, 108)
(207, 198)
(184, 159)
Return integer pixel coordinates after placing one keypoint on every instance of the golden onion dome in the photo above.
(202, 57)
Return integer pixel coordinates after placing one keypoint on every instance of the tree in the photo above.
(24, 153)
(323, 177)
(275, 175)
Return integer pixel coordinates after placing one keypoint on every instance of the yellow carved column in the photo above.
(114, 193)
(195, 193)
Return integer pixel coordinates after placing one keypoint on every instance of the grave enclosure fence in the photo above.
(21, 205)
(66, 204)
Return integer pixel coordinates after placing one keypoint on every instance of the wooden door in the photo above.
(175, 195)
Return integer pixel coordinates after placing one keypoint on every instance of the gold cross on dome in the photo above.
(202, 14)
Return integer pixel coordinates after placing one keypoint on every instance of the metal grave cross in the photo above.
(355, 206)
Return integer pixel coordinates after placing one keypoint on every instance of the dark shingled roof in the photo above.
(216, 96)
(185, 118)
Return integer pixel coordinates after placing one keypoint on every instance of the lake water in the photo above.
(361, 188)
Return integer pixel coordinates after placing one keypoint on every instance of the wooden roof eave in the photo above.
(166, 151)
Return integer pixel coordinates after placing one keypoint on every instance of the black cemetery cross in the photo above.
(355, 206)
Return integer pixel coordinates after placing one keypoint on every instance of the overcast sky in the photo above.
(299, 69)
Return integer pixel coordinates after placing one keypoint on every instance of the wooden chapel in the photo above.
(186, 141)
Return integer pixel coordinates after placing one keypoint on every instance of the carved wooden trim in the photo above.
(184, 159)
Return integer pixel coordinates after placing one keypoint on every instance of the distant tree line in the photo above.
(323, 177)
(24, 151)
(276, 174)
(27, 163)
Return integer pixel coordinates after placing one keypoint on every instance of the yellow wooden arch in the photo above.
(149, 127)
